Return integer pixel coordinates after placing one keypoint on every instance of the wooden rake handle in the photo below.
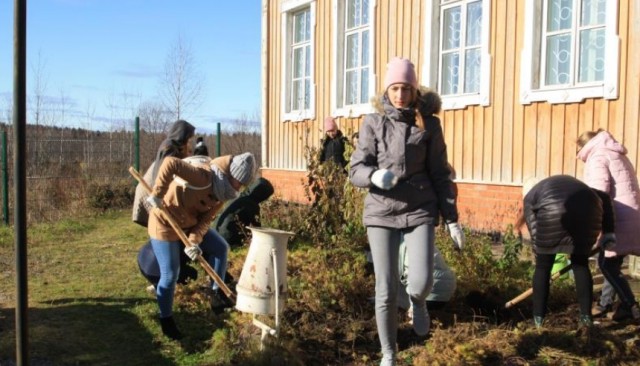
(554, 277)
(183, 237)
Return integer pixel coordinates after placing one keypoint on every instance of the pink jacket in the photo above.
(608, 169)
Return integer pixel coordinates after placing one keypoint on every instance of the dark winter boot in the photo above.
(169, 328)
(219, 301)
(585, 329)
(538, 320)
(586, 321)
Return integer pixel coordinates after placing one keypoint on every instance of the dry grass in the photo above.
(88, 307)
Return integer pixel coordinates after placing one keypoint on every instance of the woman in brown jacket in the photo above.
(193, 199)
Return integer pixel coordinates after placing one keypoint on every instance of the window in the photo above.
(571, 52)
(354, 82)
(461, 73)
(298, 89)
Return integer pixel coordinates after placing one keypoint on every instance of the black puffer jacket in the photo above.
(242, 212)
(564, 215)
(333, 149)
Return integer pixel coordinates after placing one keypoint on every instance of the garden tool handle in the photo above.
(528, 292)
(183, 237)
(554, 277)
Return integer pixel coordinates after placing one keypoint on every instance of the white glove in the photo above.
(384, 179)
(155, 202)
(607, 241)
(457, 235)
(193, 251)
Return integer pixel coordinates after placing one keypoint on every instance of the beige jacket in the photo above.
(192, 209)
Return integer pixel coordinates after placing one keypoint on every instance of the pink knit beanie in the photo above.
(400, 70)
(330, 123)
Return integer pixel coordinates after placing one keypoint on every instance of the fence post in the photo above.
(136, 143)
(218, 140)
(5, 181)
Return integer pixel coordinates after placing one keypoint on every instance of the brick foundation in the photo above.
(287, 184)
(485, 207)
(482, 207)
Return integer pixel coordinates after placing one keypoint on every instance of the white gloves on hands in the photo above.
(457, 235)
(155, 202)
(384, 179)
(607, 241)
(193, 251)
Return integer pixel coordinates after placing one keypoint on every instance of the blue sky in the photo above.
(97, 51)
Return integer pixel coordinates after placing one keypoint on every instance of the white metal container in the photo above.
(262, 287)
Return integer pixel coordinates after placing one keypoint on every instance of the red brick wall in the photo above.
(482, 207)
(287, 184)
(488, 207)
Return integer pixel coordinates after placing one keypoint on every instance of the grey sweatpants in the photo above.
(385, 245)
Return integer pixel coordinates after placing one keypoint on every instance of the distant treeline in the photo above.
(64, 164)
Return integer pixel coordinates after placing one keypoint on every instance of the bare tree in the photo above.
(7, 109)
(154, 122)
(182, 81)
(38, 99)
(123, 108)
(63, 105)
(37, 105)
(154, 119)
(242, 134)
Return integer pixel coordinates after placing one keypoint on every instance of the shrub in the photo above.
(334, 218)
(495, 278)
(106, 196)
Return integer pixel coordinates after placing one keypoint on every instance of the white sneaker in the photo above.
(388, 360)
(151, 289)
(421, 319)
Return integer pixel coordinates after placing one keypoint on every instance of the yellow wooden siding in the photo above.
(504, 142)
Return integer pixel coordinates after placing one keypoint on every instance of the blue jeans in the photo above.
(214, 249)
(611, 270)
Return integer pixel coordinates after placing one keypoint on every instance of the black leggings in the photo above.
(542, 276)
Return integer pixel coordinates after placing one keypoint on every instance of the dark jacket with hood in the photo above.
(175, 144)
(242, 212)
(418, 157)
(333, 149)
(564, 215)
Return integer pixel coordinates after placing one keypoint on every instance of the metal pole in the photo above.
(136, 138)
(5, 181)
(218, 140)
(19, 161)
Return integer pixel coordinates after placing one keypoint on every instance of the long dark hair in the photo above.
(175, 144)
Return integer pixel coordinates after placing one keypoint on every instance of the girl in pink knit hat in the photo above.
(401, 157)
(333, 144)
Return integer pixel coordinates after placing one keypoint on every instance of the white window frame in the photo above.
(531, 61)
(337, 47)
(288, 8)
(431, 67)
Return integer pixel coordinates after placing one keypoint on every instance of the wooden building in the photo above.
(519, 79)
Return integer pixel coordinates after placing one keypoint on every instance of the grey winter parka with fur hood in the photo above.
(390, 139)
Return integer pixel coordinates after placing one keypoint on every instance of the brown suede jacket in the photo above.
(192, 207)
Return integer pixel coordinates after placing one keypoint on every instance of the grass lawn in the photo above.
(87, 303)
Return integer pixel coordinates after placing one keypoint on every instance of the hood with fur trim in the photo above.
(429, 102)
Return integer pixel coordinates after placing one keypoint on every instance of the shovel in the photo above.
(183, 237)
(554, 277)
